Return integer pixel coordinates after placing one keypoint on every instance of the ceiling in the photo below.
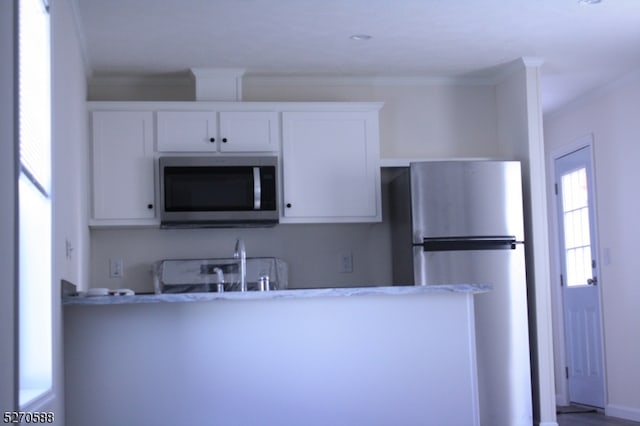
(582, 46)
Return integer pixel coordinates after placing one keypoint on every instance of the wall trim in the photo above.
(9, 152)
(153, 80)
(628, 413)
(354, 80)
(184, 80)
(542, 359)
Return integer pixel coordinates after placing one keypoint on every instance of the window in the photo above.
(34, 194)
(577, 237)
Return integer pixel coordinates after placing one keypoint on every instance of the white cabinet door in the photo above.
(123, 168)
(331, 167)
(187, 131)
(246, 131)
(198, 131)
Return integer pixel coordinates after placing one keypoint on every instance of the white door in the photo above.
(579, 266)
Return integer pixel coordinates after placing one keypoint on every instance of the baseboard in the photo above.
(627, 413)
(548, 424)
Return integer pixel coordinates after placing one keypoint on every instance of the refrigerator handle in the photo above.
(470, 243)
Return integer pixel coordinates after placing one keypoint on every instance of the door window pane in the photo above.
(577, 238)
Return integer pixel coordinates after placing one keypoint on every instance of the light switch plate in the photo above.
(116, 268)
(346, 262)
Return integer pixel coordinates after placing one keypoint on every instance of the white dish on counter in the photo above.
(101, 291)
(97, 292)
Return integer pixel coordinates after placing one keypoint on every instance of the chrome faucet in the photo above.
(220, 277)
(240, 253)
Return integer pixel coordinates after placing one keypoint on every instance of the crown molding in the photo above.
(182, 80)
(354, 80)
(187, 78)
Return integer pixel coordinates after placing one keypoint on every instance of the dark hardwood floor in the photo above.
(592, 419)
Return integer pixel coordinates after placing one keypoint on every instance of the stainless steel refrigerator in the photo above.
(459, 222)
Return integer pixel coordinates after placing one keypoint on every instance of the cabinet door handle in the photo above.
(212, 140)
(149, 206)
(224, 140)
(288, 205)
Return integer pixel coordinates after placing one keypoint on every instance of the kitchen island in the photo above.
(359, 356)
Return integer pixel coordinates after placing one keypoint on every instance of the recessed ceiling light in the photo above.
(589, 2)
(361, 37)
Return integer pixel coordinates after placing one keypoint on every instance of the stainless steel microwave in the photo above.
(218, 191)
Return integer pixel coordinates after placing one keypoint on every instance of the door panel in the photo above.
(581, 294)
(585, 360)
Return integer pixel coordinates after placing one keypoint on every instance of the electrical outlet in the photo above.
(116, 268)
(346, 262)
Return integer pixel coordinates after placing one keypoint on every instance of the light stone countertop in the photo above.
(278, 294)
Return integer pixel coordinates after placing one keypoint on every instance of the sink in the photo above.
(202, 276)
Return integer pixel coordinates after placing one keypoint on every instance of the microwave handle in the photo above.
(257, 189)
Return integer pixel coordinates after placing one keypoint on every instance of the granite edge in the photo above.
(279, 294)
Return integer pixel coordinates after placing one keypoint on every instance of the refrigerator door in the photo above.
(466, 198)
(501, 324)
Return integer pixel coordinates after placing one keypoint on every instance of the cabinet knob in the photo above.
(212, 140)
(288, 205)
(224, 140)
(149, 206)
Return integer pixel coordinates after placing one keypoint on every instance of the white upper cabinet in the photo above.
(123, 168)
(187, 131)
(328, 152)
(331, 169)
(210, 131)
(245, 131)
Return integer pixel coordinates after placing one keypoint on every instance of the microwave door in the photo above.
(218, 191)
